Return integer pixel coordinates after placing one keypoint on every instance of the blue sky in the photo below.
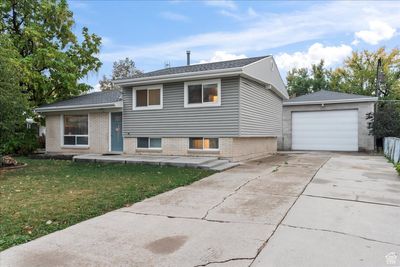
(296, 33)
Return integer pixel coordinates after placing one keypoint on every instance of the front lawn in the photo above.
(49, 195)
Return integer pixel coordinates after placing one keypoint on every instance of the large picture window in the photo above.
(203, 93)
(76, 130)
(203, 143)
(147, 97)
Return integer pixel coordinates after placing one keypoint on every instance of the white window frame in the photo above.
(204, 149)
(79, 135)
(148, 107)
(148, 147)
(202, 83)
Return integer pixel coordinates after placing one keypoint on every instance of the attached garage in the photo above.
(327, 121)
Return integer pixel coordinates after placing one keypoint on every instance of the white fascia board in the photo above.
(266, 71)
(80, 107)
(179, 77)
(320, 102)
(275, 90)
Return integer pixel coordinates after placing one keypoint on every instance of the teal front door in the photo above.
(116, 132)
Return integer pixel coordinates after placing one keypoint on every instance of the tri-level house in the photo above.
(230, 109)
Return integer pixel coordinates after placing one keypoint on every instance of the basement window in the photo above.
(149, 142)
(202, 143)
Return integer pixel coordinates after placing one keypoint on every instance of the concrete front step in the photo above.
(219, 165)
(225, 166)
(211, 163)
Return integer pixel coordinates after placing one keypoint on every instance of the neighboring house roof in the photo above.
(262, 69)
(328, 97)
(104, 99)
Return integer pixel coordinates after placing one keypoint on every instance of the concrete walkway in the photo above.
(288, 210)
(212, 163)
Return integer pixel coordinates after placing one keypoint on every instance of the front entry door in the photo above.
(116, 132)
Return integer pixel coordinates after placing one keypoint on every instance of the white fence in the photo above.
(391, 148)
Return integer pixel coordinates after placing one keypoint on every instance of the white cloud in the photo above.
(251, 12)
(222, 56)
(174, 16)
(106, 40)
(355, 42)
(96, 88)
(221, 3)
(78, 5)
(330, 54)
(266, 32)
(378, 31)
(240, 16)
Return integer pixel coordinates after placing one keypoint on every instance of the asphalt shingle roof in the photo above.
(115, 96)
(200, 67)
(325, 95)
(89, 99)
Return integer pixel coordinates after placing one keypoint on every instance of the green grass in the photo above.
(66, 193)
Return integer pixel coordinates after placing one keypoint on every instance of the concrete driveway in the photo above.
(301, 209)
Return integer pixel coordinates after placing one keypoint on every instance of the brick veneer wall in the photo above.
(236, 149)
(98, 134)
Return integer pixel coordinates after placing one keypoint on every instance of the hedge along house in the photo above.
(230, 109)
(327, 120)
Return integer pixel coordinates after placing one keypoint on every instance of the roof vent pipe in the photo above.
(188, 57)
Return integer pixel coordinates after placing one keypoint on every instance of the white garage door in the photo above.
(325, 130)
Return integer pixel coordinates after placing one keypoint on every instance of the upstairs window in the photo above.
(203, 93)
(147, 97)
(75, 130)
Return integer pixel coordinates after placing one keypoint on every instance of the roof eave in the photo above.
(179, 76)
(338, 101)
(272, 87)
(80, 107)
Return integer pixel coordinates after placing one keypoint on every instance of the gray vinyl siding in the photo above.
(260, 110)
(173, 120)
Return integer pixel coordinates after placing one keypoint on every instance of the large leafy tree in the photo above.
(357, 75)
(320, 77)
(359, 71)
(298, 82)
(14, 108)
(123, 68)
(385, 120)
(301, 81)
(52, 58)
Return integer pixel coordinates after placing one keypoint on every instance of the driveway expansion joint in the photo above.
(354, 200)
(192, 218)
(287, 212)
(239, 187)
(341, 233)
(236, 190)
(223, 261)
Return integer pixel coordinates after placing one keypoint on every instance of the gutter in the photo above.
(318, 102)
(80, 107)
